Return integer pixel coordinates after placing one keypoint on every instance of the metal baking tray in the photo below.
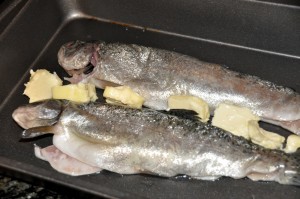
(261, 38)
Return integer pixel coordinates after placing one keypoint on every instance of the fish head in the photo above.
(43, 113)
(78, 58)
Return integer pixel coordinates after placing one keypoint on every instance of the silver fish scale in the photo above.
(164, 144)
(154, 121)
(157, 74)
(169, 73)
(129, 141)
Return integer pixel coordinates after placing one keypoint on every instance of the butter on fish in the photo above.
(123, 95)
(233, 119)
(292, 144)
(40, 84)
(264, 138)
(131, 141)
(81, 93)
(156, 74)
(241, 121)
(190, 103)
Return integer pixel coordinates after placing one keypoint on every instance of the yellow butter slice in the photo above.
(233, 119)
(40, 84)
(241, 121)
(81, 93)
(123, 95)
(292, 144)
(189, 102)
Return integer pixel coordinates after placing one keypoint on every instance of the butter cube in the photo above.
(292, 144)
(242, 122)
(123, 95)
(40, 84)
(233, 119)
(189, 102)
(81, 93)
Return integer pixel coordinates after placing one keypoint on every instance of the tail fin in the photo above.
(276, 166)
(293, 177)
(38, 131)
(291, 174)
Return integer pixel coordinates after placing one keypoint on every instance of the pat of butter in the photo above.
(81, 93)
(242, 122)
(123, 95)
(190, 103)
(264, 138)
(40, 84)
(292, 144)
(233, 119)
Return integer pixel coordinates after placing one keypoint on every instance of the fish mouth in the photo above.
(89, 68)
(78, 75)
(79, 59)
(86, 70)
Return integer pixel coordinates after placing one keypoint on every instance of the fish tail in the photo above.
(295, 180)
(291, 172)
(38, 131)
(278, 166)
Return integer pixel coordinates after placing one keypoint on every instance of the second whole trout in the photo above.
(130, 141)
(157, 74)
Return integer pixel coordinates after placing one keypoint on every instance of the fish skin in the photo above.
(156, 74)
(129, 141)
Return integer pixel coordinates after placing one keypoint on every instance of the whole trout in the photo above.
(157, 74)
(130, 141)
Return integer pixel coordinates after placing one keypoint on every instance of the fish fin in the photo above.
(64, 163)
(291, 174)
(285, 170)
(183, 113)
(37, 131)
(295, 180)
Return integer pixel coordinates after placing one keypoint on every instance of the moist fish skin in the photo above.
(130, 141)
(156, 74)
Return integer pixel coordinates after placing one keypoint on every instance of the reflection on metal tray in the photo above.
(254, 37)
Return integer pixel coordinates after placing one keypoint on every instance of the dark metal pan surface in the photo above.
(255, 37)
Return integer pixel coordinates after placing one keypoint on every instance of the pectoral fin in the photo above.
(41, 130)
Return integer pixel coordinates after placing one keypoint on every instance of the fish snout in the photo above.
(19, 117)
(77, 57)
(37, 114)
